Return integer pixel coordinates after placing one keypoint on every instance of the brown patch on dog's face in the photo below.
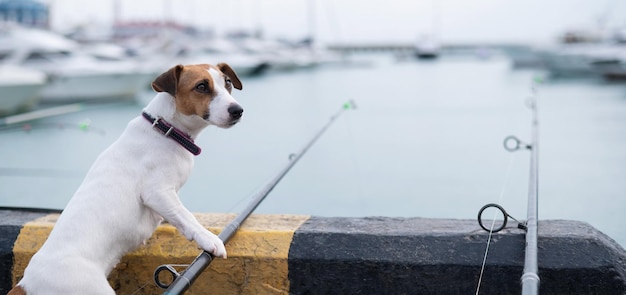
(195, 90)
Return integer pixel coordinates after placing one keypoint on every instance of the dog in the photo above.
(133, 185)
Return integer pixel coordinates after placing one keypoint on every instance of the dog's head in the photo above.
(203, 90)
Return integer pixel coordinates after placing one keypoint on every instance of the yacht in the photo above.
(73, 74)
(216, 50)
(19, 89)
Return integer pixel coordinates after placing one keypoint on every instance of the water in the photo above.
(426, 140)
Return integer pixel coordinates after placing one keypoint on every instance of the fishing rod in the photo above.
(23, 121)
(84, 125)
(530, 277)
(182, 281)
(40, 114)
(39, 172)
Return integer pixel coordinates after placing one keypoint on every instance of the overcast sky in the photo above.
(360, 20)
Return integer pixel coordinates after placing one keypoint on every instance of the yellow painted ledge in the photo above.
(257, 255)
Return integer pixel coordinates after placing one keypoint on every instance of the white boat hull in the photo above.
(88, 87)
(18, 98)
(19, 89)
(578, 60)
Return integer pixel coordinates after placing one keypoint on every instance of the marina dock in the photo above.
(297, 254)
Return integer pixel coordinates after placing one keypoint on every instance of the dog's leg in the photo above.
(170, 208)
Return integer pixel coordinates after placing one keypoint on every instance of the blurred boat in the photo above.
(575, 54)
(73, 75)
(523, 56)
(278, 55)
(216, 50)
(290, 56)
(577, 60)
(19, 89)
(613, 68)
(427, 48)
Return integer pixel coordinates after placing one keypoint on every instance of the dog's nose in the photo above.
(235, 111)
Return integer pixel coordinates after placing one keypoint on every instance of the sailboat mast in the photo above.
(312, 18)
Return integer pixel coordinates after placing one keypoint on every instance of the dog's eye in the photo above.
(229, 83)
(202, 87)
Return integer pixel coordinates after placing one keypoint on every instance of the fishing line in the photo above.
(493, 222)
(507, 146)
(141, 287)
(240, 201)
(352, 150)
(290, 157)
(250, 194)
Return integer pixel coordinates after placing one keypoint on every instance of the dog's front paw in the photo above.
(211, 243)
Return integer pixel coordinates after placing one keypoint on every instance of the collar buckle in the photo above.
(156, 122)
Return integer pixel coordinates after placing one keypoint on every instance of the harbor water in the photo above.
(425, 140)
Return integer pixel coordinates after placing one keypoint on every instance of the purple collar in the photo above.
(174, 133)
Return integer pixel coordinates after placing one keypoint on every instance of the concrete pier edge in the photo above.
(280, 254)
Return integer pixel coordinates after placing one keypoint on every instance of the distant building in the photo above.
(28, 13)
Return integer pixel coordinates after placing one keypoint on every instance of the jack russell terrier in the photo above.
(133, 185)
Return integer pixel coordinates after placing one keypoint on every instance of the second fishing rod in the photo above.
(182, 281)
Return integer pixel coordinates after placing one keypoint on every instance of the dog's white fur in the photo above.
(129, 189)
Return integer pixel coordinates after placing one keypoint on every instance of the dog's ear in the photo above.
(228, 71)
(167, 81)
